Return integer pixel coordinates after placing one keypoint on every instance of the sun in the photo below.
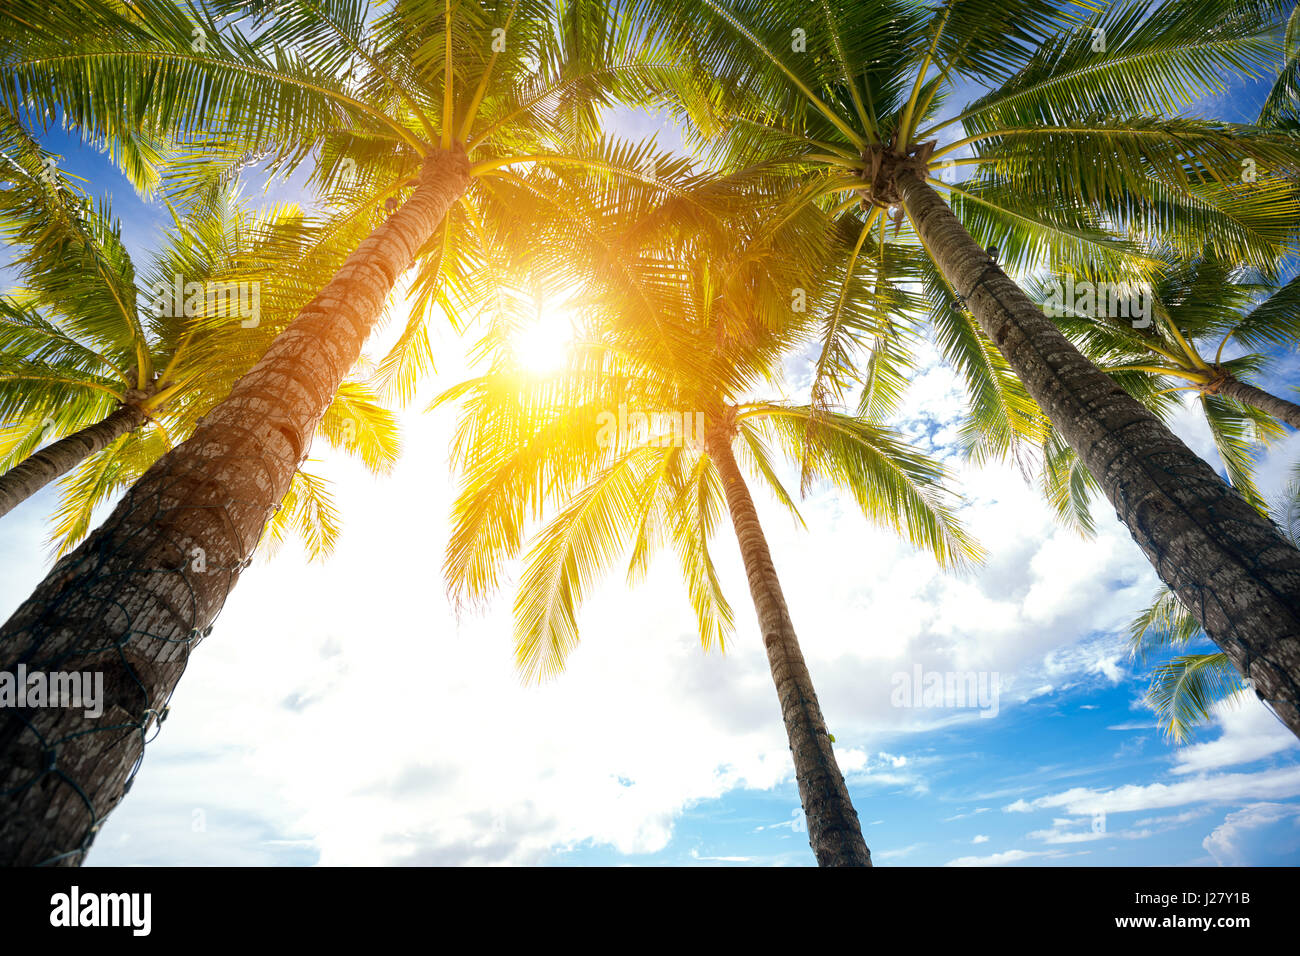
(541, 346)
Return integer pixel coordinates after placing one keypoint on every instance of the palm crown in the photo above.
(363, 98)
(1212, 328)
(689, 320)
(1074, 148)
(86, 333)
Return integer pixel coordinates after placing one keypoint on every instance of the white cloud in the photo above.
(1258, 834)
(1268, 784)
(963, 816)
(1002, 859)
(1176, 819)
(1250, 732)
(695, 855)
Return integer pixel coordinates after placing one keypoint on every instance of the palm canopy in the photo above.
(1211, 324)
(1281, 110)
(1070, 143)
(1184, 688)
(86, 333)
(1081, 114)
(682, 315)
(66, 251)
(186, 94)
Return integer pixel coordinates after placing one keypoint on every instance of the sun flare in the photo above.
(541, 346)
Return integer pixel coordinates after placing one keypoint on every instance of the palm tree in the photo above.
(1079, 135)
(692, 317)
(97, 381)
(74, 339)
(1208, 300)
(404, 114)
(1186, 687)
(1194, 310)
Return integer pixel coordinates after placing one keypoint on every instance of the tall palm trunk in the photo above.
(37, 470)
(136, 597)
(833, 829)
(1279, 408)
(1228, 564)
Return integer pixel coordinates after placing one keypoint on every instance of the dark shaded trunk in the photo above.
(54, 461)
(833, 828)
(1230, 566)
(137, 596)
(1279, 408)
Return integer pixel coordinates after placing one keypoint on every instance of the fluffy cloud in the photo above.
(1258, 835)
(1272, 784)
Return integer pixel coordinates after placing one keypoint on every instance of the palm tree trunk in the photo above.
(40, 468)
(1279, 408)
(135, 598)
(1228, 564)
(833, 829)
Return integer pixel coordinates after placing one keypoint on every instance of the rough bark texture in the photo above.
(37, 470)
(1230, 566)
(1279, 408)
(833, 828)
(137, 596)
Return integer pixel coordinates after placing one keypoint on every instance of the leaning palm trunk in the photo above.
(1279, 408)
(833, 828)
(1228, 563)
(136, 597)
(37, 470)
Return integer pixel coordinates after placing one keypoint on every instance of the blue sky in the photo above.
(342, 713)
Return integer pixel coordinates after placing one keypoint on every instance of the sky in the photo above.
(342, 713)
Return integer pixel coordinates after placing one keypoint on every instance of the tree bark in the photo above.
(1230, 566)
(136, 597)
(833, 828)
(40, 468)
(1279, 408)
